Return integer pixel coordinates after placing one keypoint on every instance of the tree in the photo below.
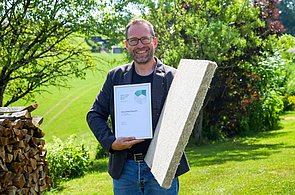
(114, 18)
(36, 45)
(244, 92)
(269, 13)
(287, 16)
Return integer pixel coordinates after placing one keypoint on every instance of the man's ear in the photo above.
(155, 41)
(126, 44)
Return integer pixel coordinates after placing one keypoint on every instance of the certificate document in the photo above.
(133, 111)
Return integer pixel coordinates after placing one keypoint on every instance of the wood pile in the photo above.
(23, 167)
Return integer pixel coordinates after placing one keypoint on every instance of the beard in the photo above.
(140, 59)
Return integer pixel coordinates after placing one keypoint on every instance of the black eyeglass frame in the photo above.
(140, 39)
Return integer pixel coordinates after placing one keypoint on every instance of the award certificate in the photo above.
(133, 111)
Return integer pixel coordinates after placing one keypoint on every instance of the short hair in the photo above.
(140, 21)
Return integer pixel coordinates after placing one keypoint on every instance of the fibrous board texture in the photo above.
(178, 116)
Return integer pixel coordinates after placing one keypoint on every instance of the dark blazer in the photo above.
(104, 106)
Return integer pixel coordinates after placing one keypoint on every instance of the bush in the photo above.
(263, 112)
(273, 106)
(100, 152)
(291, 102)
(66, 159)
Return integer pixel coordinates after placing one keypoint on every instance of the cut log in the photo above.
(43, 153)
(28, 124)
(38, 133)
(19, 181)
(41, 142)
(25, 191)
(6, 132)
(26, 146)
(37, 120)
(11, 190)
(33, 152)
(33, 163)
(37, 188)
(44, 187)
(2, 152)
(2, 167)
(4, 141)
(6, 179)
(16, 115)
(27, 138)
(16, 132)
(34, 141)
(20, 144)
(9, 148)
(32, 191)
(16, 167)
(30, 169)
(35, 176)
(24, 131)
(5, 122)
(8, 158)
(16, 154)
(20, 156)
(18, 109)
(18, 124)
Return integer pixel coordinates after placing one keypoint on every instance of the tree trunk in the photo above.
(198, 128)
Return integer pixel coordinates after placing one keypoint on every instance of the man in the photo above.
(130, 173)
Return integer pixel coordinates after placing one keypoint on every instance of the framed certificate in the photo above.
(133, 111)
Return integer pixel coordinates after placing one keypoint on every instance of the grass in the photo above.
(260, 164)
(64, 109)
(263, 164)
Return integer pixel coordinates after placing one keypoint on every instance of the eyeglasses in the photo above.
(143, 40)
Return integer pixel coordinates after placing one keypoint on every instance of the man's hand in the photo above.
(122, 143)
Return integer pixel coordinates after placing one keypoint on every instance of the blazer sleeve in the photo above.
(98, 115)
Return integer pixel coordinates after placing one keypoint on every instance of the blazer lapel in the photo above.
(127, 77)
(158, 89)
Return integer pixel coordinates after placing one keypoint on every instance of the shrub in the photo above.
(100, 152)
(262, 112)
(272, 108)
(66, 159)
(291, 102)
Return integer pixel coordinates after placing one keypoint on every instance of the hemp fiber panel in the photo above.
(182, 106)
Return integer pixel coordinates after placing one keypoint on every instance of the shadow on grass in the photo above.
(238, 150)
(100, 165)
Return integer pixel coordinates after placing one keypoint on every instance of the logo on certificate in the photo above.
(140, 97)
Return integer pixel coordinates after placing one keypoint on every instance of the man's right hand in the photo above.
(123, 143)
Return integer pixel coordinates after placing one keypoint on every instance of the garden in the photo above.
(245, 143)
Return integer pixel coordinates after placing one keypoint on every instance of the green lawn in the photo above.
(260, 164)
(64, 109)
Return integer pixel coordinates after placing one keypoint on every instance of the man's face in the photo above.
(144, 50)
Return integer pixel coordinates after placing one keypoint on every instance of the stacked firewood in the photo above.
(23, 167)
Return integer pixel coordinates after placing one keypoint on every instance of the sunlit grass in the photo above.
(260, 164)
(64, 109)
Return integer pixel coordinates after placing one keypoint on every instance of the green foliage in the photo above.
(96, 47)
(236, 35)
(36, 47)
(113, 19)
(100, 152)
(291, 102)
(260, 163)
(287, 16)
(67, 159)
